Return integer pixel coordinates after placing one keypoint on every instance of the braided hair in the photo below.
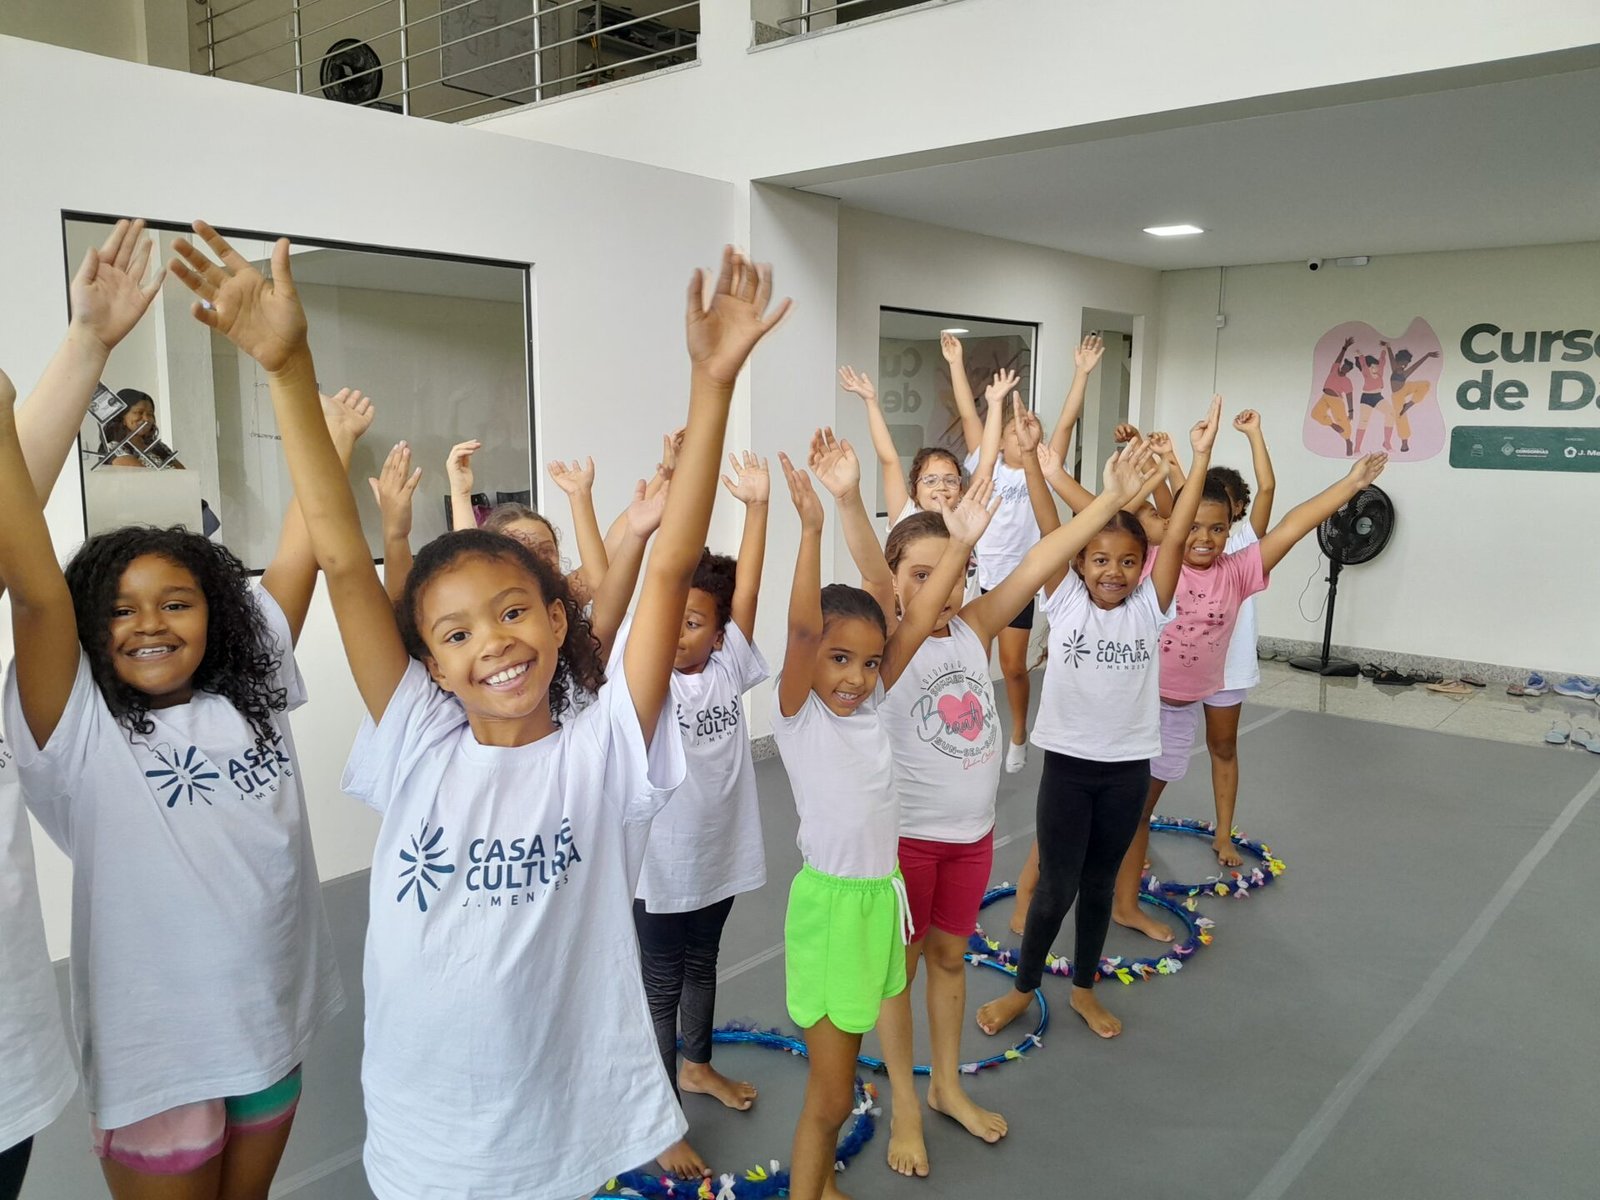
(241, 658)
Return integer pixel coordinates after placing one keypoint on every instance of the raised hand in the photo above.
(1161, 443)
(349, 414)
(1204, 433)
(968, 517)
(722, 332)
(393, 489)
(803, 494)
(645, 510)
(834, 463)
(1089, 353)
(1248, 422)
(950, 347)
(1029, 432)
(751, 482)
(458, 466)
(860, 385)
(671, 443)
(1125, 433)
(1133, 471)
(1001, 386)
(263, 318)
(109, 294)
(1365, 470)
(573, 478)
(1049, 459)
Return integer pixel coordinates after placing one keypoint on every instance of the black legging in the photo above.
(679, 955)
(13, 1166)
(1088, 814)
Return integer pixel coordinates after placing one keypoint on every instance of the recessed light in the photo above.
(1172, 230)
(955, 329)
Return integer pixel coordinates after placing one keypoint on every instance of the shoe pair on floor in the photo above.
(1562, 733)
(1575, 686)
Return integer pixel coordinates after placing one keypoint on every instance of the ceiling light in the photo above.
(956, 329)
(1172, 230)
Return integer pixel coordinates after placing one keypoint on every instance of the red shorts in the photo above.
(945, 882)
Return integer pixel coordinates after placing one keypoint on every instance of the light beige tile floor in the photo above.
(1486, 713)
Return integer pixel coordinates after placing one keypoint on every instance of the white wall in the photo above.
(976, 70)
(1491, 566)
(612, 244)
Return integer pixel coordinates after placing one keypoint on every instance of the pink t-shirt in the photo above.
(1194, 646)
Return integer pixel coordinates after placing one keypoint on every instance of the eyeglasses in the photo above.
(953, 481)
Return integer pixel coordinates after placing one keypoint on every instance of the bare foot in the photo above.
(1093, 1012)
(1145, 924)
(1227, 853)
(958, 1106)
(830, 1189)
(908, 1153)
(681, 1161)
(706, 1080)
(997, 1014)
(1019, 914)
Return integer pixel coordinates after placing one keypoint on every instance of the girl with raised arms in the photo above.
(846, 925)
(148, 711)
(509, 1047)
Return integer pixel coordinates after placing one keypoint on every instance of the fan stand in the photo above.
(1327, 666)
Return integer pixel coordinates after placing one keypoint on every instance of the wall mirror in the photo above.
(181, 430)
(914, 379)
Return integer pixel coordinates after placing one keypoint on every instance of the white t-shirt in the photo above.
(1012, 532)
(945, 735)
(1102, 690)
(37, 1077)
(841, 771)
(706, 845)
(201, 961)
(1242, 669)
(509, 1050)
(909, 510)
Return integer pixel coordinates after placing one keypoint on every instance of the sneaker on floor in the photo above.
(1016, 757)
(1577, 685)
(1534, 685)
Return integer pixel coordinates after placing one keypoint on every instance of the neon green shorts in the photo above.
(844, 951)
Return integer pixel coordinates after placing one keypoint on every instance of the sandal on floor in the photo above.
(1392, 677)
(1586, 740)
(1559, 733)
(1426, 677)
(1477, 681)
(1370, 670)
(1451, 687)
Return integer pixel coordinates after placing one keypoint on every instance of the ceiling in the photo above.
(1502, 164)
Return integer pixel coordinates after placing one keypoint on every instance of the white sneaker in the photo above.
(1016, 757)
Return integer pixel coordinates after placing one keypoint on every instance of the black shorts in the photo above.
(1023, 620)
(1372, 399)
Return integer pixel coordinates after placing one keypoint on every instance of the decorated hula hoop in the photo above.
(757, 1183)
(1233, 882)
(1036, 1038)
(1123, 970)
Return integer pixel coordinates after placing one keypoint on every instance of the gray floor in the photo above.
(1408, 1012)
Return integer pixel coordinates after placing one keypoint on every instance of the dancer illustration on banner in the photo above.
(1399, 380)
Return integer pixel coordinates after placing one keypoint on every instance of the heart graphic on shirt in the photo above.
(963, 716)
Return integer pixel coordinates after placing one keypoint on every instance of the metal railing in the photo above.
(420, 57)
(827, 14)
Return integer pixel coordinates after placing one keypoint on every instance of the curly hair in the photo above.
(920, 463)
(717, 575)
(511, 512)
(241, 660)
(579, 660)
(913, 529)
(1216, 491)
(1233, 482)
(840, 600)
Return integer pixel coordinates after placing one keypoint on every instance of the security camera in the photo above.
(1313, 264)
